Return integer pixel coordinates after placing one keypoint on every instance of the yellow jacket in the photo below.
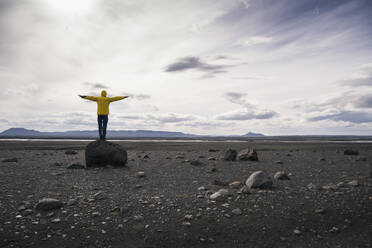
(103, 102)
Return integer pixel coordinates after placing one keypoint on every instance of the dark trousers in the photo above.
(102, 125)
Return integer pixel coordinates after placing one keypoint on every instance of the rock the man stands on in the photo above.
(103, 103)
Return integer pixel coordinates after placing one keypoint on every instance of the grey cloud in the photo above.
(364, 102)
(357, 82)
(171, 118)
(96, 85)
(137, 96)
(245, 115)
(195, 63)
(250, 111)
(347, 116)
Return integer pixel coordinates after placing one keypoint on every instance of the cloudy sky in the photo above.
(279, 67)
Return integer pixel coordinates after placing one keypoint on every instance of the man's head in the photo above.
(103, 93)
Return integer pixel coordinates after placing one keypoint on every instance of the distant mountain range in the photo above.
(29, 133)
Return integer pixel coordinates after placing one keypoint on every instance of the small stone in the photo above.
(211, 158)
(297, 232)
(278, 162)
(188, 217)
(96, 214)
(146, 156)
(70, 152)
(71, 202)
(220, 195)
(281, 175)
(19, 216)
(235, 184)
(47, 204)
(141, 174)
(56, 220)
(99, 195)
(196, 162)
(212, 150)
(353, 183)
(180, 156)
(201, 188)
(244, 190)
(76, 166)
(9, 160)
(237, 211)
(186, 223)
(320, 211)
(351, 152)
(220, 183)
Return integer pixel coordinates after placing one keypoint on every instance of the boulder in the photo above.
(248, 154)
(220, 195)
(281, 175)
(351, 152)
(47, 204)
(230, 155)
(101, 153)
(259, 179)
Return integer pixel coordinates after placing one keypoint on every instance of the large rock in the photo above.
(230, 155)
(100, 153)
(248, 154)
(351, 152)
(47, 204)
(259, 179)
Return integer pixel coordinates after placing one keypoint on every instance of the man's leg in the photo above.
(99, 119)
(104, 126)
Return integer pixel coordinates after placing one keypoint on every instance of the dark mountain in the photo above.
(22, 132)
(251, 134)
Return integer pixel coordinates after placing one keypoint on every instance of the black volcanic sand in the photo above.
(150, 211)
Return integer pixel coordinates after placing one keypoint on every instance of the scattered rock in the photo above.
(146, 156)
(237, 211)
(8, 160)
(180, 156)
(312, 186)
(71, 202)
(47, 204)
(244, 190)
(220, 183)
(351, 152)
(196, 162)
(188, 217)
(141, 174)
(248, 154)
(297, 232)
(99, 195)
(76, 166)
(101, 153)
(230, 155)
(235, 184)
(320, 211)
(278, 162)
(56, 220)
(330, 186)
(211, 158)
(220, 195)
(96, 214)
(259, 179)
(70, 152)
(353, 183)
(281, 175)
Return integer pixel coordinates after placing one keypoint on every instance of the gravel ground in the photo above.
(168, 205)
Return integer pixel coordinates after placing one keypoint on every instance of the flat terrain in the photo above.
(113, 207)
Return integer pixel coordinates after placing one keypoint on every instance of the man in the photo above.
(103, 103)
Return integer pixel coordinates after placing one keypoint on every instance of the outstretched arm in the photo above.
(117, 98)
(92, 98)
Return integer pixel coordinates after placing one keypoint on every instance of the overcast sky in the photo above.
(278, 67)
